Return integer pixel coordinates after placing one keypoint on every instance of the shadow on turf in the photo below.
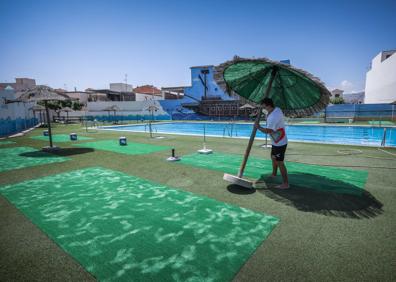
(318, 194)
(63, 152)
(236, 189)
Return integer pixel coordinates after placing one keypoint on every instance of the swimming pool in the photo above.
(353, 135)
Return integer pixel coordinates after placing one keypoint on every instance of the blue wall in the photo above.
(14, 117)
(361, 111)
(12, 126)
(196, 90)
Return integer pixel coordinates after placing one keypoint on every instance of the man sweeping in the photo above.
(276, 129)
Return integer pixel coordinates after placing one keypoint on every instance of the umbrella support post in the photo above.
(266, 145)
(49, 123)
(239, 180)
(204, 150)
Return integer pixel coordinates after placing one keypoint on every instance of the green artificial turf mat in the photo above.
(379, 122)
(309, 122)
(130, 149)
(6, 142)
(333, 179)
(124, 228)
(19, 157)
(60, 138)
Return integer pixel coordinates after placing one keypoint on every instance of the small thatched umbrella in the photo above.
(112, 108)
(152, 109)
(245, 107)
(38, 108)
(45, 94)
(67, 110)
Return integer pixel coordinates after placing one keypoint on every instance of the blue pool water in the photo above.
(354, 135)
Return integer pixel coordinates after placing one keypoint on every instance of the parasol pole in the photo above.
(266, 136)
(204, 150)
(48, 122)
(254, 131)
(204, 134)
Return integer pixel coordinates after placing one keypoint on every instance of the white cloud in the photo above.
(348, 87)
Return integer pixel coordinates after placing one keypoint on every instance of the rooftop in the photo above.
(147, 89)
(205, 66)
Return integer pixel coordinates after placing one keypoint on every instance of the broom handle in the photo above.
(254, 131)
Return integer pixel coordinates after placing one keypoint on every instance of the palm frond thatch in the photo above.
(41, 93)
(318, 106)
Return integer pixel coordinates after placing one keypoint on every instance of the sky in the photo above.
(91, 43)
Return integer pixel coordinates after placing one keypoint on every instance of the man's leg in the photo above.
(283, 171)
(274, 166)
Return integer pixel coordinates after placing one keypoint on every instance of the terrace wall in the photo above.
(15, 117)
(133, 110)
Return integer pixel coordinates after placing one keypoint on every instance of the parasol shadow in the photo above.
(63, 152)
(236, 189)
(317, 194)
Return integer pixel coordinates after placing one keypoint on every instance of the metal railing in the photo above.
(230, 129)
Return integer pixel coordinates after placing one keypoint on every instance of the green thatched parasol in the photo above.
(295, 91)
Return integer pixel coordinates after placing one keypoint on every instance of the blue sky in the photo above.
(92, 43)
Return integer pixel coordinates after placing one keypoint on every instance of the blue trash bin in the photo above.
(123, 141)
(73, 136)
(45, 132)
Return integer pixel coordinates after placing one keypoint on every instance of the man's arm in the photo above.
(263, 129)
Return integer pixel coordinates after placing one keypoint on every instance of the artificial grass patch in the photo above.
(6, 142)
(19, 157)
(309, 122)
(125, 228)
(130, 149)
(59, 138)
(380, 122)
(333, 179)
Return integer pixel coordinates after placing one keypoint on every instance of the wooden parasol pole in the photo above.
(254, 131)
(48, 122)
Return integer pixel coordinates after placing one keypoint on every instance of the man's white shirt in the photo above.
(275, 121)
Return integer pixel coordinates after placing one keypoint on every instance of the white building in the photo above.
(354, 98)
(381, 79)
(81, 96)
(337, 93)
(121, 87)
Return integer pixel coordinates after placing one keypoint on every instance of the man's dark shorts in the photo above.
(278, 152)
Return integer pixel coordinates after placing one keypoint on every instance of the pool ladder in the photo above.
(229, 129)
(147, 125)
